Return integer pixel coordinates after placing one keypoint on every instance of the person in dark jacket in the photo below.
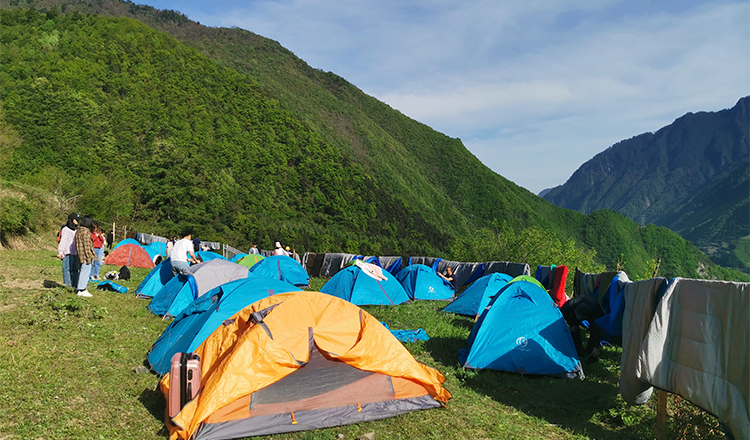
(66, 251)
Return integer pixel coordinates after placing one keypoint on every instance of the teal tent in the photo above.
(476, 297)
(522, 331)
(281, 267)
(207, 313)
(356, 286)
(186, 287)
(423, 282)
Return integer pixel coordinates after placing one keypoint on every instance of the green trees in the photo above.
(143, 129)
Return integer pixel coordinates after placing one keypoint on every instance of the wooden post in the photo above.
(660, 430)
(114, 234)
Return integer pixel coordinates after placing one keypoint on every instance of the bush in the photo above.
(15, 216)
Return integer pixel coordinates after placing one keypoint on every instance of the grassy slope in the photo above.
(68, 372)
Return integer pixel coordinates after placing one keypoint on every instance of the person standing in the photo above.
(253, 249)
(182, 253)
(66, 251)
(110, 239)
(86, 255)
(99, 240)
(278, 250)
(170, 245)
(450, 277)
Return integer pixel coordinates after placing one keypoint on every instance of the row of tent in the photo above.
(153, 249)
(306, 360)
(290, 356)
(170, 294)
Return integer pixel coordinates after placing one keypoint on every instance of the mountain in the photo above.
(717, 218)
(544, 192)
(690, 176)
(160, 123)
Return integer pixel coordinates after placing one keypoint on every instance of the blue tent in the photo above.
(281, 267)
(155, 280)
(394, 267)
(476, 297)
(204, 315)
(522, 331)
(422, 282)
(156, 251)
(354, 285)
(237, 257)
(127, 241)
(208, 255)
(184, 288)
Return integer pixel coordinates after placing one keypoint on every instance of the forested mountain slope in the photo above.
(690, 176)
(135, 126)
(647, 176)
(405, 158)
(717, 218)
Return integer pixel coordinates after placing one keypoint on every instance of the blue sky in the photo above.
(533, 88)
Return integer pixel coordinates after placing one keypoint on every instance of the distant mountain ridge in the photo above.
(690, 176)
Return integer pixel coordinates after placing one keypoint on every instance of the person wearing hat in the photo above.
(278, 250)
(67, 252)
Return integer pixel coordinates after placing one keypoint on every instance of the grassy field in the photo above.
(71, 368)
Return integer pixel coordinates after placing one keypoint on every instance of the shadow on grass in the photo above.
(568, 403)
(445, 350)
(462, 322)
(153, 400)
(49, 284)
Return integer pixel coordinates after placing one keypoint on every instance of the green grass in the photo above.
(69, 369)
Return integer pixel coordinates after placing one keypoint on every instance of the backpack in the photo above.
(124, 273)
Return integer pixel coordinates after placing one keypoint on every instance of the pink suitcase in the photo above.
(184, 381)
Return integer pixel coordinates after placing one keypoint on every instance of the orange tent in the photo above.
(298, 361)
(132, 255)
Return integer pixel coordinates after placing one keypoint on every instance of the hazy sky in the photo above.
(533, 88)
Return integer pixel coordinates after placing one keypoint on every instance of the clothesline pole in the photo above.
(660, 430)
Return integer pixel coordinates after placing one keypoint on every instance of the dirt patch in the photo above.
(31, 242)
(25, 284)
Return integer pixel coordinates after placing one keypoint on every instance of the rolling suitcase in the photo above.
(184, 381)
